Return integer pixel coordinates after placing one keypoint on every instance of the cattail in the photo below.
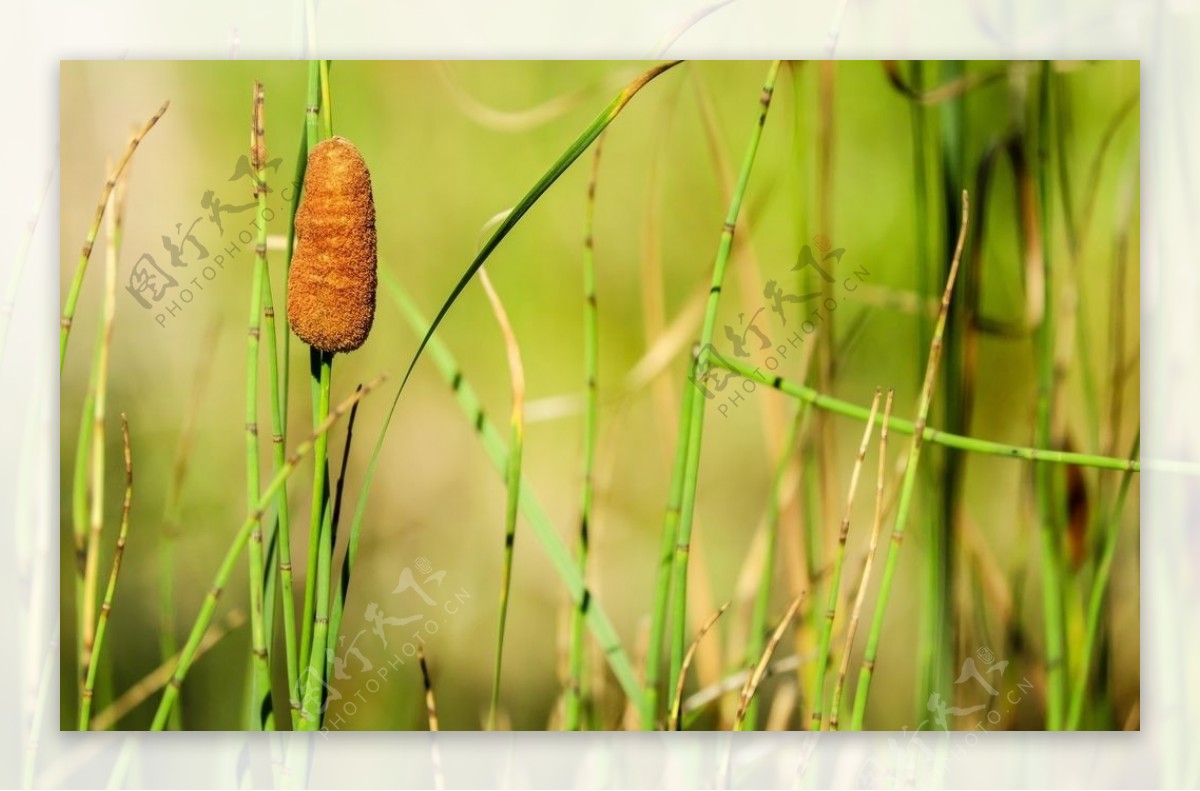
(331, 285)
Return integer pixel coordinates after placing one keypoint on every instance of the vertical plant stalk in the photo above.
(760, 670)
(694, 401)
(662, 580)
(909, 484)
(574, 696)
(1052, 583)
(677, 702)
(339, 593)
(512, 479)
(68, 315)
(85, 708)
(320, 556)
(261, 716)
(190, 649)
(95, 443)
(861, 595)
(835, 585)
(1099, 591)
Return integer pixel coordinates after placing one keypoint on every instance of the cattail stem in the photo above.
(320, 555)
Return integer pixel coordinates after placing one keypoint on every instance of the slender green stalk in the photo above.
(662, 579)
(85, 708)
(907, 428)
(762, 600)
(320, 559)
(694, 403)
(260, 714)
(760, 670)
(1099, 591)
(909, 484)
(1052, 583)
(512, 477)
(240, 539)
(677, 701)
(68, 315)
(824, 653)
(99, 402)
(545, 532)
(574, 696)
(835, 705)
(326, 104)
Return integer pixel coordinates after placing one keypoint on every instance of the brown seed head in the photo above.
(331, 285)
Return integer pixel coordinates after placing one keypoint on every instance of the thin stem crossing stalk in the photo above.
(835, 584)
(910, 479)
(240, 539)
(971, 444)
(694, 401)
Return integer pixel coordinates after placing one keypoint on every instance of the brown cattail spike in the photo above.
(331, 285)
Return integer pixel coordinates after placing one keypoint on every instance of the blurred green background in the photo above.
(451, 145)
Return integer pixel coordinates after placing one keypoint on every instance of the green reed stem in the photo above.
(1052, 583)
(261, 717)
(512, 479)
(824, 652)
(1099, 592)
(835, 706)
(662, 579)
(240, 539)
(693, 402)
(68, 316)
(544, 531)
(907, 428)
(574, 696)
(85, 708)
(909, 484)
